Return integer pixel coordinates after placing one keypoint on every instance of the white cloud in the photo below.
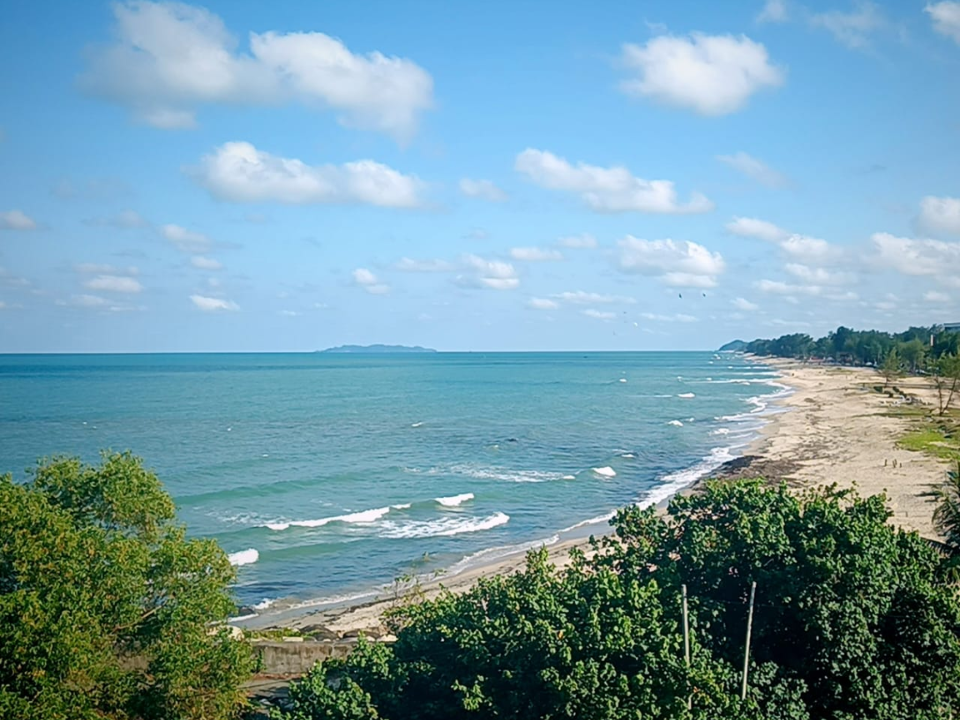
(369, 282)
(934, 296)
(211, 304)
(774, 11)
(483, 189)
(535, 254)
(916, 257)
(852, 29)
(778, 287)
(186, 240)
(205, 263)
(113, 283)
(755, 228)
(542, 304)
(744, 304)
(599, 314)
(606, 190)
(755, 169)
(170, 58)
(99, 269)
(494, 274)
(410, 265)
(580, 297)
(238, 172)
(124, 220)
(578, 241)
(800, 247)
(710, 74)
(16, 220)
(679, 317)
(946, 18)
(678, 262)
(88, 301)
(940, 215)
(818, 276)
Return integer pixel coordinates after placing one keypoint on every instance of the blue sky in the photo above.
(246, 176)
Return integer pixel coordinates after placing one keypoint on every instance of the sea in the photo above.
(328, 477)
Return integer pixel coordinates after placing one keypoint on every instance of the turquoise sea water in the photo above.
(326, 476)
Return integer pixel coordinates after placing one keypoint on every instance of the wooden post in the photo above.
(746, 649)
(686, 641)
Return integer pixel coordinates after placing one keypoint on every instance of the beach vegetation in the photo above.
(852, 618)
(107, 609)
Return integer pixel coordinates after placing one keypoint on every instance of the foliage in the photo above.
(866, 347)
(852, 620)
(892, 366)
(946, 378)
(105, 605)
(938, 441)
(946, 516)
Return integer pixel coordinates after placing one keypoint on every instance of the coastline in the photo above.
(832, 427)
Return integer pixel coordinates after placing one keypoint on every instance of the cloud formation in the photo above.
(578, 241)
(542, 304)
(535, 254)
(369, 282)
(946, 18)
(202, 262)
(678, 263)
(212, 304)
(709, 74)
(170, 58)
(800, 247)
(483, 189)
(187, 241)
(114, 283)
(774, 11)
(606, 190)
(852, 29)
(16, 220)
(940, 216)
(755, 169)
(494, 274)
(580, 297)
(239, 172)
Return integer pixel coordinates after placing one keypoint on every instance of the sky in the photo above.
(505, 175)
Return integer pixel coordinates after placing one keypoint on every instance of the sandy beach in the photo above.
(833, 428)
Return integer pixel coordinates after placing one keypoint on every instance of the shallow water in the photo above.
(326, 476)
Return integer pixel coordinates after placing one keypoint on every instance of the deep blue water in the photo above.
(330, 467)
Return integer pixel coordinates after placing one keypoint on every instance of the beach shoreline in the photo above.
(831, 428)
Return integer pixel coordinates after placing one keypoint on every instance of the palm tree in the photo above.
(946, 517)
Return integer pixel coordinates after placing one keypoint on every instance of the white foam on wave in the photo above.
(676, 423)
(487, 556)
(264, 604)
(417, 424)
(401, 506)
(607, 472)
(675, 482)
(592, 521)
(330, 600)
(445, 527)
(686, 396)
(244, 557)
(498, 473)
(628, 455)
(623, 379)
(569, 477)
(454, 500)
(366, 516)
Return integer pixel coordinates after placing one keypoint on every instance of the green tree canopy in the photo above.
(107, 610)
(853, 619)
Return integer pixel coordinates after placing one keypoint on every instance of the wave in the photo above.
(244, 557)
(366, 516)
(445, 527)
(675, 482)
(607, 472)
(454, 500)
(497, 473)
(676, 423)
(487, 556)
(264, 604)
(417, 424)
(686, 395)
(592, 521)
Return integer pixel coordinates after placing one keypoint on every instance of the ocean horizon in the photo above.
(327, 476)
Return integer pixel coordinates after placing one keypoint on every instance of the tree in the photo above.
(891, 369)
(107, 610)
(946, 516)
(946, 378)
(853, 619)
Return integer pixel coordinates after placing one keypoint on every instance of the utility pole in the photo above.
(686, 642)
(746, 649)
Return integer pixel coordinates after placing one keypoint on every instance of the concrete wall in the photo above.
(296, 658)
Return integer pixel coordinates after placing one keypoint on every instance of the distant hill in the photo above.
(378, 349)
(734, 346)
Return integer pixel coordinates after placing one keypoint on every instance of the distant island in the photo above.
(733, 346)
(378, 349)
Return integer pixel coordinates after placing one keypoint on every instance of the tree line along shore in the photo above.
(743, 599)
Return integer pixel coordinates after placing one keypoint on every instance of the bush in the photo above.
(107, 610)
